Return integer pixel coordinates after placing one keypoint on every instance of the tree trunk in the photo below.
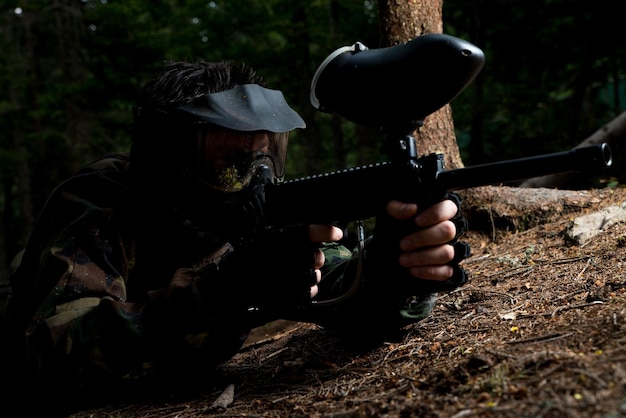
(400, 22)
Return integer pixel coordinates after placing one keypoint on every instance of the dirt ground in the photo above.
(539, 331)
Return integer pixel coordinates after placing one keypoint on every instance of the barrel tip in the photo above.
(607, 155)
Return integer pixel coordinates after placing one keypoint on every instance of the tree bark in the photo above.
(401, 21)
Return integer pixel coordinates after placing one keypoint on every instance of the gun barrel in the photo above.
(576, 160)
(363, 192)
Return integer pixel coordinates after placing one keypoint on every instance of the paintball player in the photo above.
(145, 264)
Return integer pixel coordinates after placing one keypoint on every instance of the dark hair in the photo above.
(183, 82)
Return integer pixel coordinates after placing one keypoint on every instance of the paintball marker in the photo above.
(394, 89)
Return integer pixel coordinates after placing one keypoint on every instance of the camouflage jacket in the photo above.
(95, 299)
(94, 296)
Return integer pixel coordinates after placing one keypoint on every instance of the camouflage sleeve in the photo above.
(84, 320)
(369, 308)
(86, 331)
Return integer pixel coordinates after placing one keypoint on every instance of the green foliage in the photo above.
(70, 71)
(554, 74)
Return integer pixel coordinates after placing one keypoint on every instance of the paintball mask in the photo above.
(241, 130)
(234, 140)
(395, 88)
(227, 160)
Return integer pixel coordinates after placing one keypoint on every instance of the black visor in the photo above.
(247, 107)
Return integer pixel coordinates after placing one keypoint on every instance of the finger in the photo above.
(324, 233)
(438, 234)
(432, 272)
(442, 254)
(319, 259)
(436, 213)
(400, 210)
(318, 278)
(461, 225)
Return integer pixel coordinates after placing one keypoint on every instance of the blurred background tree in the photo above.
(70, 70)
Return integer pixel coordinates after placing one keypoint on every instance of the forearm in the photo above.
(85, 329)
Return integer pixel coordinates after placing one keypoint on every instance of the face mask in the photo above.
(227, 160)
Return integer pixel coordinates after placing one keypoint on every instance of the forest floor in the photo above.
(538, 331)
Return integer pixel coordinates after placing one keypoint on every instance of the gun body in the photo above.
(362, 192)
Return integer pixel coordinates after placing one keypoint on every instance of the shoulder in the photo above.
(111, 164)
(103, 183)
(107, 174)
